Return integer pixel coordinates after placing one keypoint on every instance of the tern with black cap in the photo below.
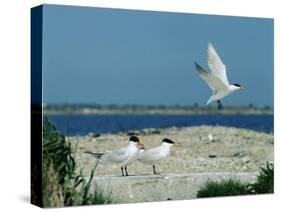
(124, 156)
(217, 78)
(156, 154)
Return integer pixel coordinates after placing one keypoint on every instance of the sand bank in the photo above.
(203, 149)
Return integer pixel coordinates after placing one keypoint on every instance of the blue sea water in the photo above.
(84, 124)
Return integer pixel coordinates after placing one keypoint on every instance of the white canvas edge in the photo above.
(15, 96)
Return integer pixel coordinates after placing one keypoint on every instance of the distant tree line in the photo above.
(140, 106)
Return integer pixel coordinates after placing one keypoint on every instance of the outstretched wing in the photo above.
(216, 65)
(212, 81)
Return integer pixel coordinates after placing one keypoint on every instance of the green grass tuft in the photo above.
(62, 186)
(229, 187)
(265, 180)
(264, 184)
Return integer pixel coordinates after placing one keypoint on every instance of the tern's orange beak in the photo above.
(242, 88)
(140, 143)
(176, 145)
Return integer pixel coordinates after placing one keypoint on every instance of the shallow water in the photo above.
(84, 124)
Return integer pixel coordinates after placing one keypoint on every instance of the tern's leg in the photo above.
(122, 171)
(126, 171)
(219, 105)
(154, 171)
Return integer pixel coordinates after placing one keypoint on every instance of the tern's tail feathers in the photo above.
(97, 155)
(211, 99)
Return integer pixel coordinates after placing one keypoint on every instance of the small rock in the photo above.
(212, 156)
(155, 132)
(94, 135)
(246, 160)
(130, 133)
(210, 137)
(91, 134)
(150, 131)
(238, 154)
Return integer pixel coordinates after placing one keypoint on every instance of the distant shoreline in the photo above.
(142, 110)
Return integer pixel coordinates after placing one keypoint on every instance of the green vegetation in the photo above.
(228, 187)
(265, 180)
(264, 184)
(62, 186)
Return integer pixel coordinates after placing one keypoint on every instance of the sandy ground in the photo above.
(231, 150)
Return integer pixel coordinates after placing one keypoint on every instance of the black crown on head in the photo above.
(134, 138)
(238, 85)
(166, 140)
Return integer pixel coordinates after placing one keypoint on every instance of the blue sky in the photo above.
(104, 56)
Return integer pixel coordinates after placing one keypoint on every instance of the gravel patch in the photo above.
(203, 149)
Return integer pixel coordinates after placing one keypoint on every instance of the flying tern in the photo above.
(217, 78)
(125, 155)
(156, 154)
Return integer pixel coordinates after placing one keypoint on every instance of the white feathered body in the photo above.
(124, 156)
(217, 78)
(155, 154)
(221, 94)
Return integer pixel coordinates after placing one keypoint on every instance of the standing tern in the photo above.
(125, 155)
(217, 78)
(156, 154)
